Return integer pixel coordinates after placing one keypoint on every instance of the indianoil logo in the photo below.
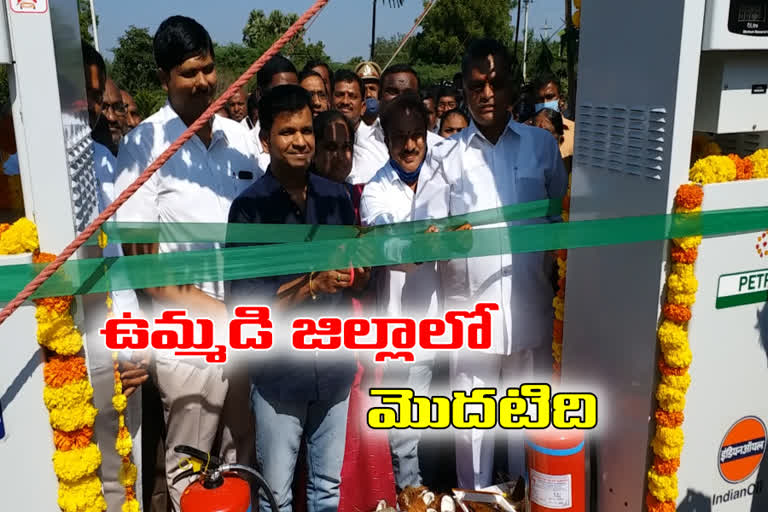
(742, 449)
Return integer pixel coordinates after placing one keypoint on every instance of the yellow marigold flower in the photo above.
(73, 418)
(663, 487)
(73, 465)
(678, 382)
(760, 162)
(681, 299)
(21, 237)
(681, 210)
(124, 442)
(672, 336)
(670, 399)
(83, 495)
(68, 396)
(713, 169)
(68, 345)
(119, 402)
(51, 325)
(130, 506)
(688, 242)
(682, 281)
(127, 474)
(679, 358)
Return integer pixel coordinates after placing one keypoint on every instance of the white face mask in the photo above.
(552, 105)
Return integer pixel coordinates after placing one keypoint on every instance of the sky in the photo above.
(344, 25)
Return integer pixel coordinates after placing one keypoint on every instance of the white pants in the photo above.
(475, 447)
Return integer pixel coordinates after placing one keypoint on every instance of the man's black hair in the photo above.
(93, 58)
(479, 50)
(253, 102)
(454, 112)
(345, 75)
(448, 92)
(274, 66)
(179, 38)
(306, 73)
(283, 98)
(326, 119)
(315, 63)
(428, 94)
(401, 68)
(407, 104)
(545, 79)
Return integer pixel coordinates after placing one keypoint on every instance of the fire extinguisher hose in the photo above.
(260, 481)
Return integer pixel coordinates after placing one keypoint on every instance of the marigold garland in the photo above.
(558, 302)
(672, 334)
(68, 392)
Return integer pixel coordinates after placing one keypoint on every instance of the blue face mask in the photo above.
(552, 105)
(408, 178)
(371, 106)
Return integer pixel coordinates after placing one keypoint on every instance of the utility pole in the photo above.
(525, 41)
(95, 29)
(373, 29)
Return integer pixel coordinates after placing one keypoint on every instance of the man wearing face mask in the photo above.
(548, 96)
(411, 186)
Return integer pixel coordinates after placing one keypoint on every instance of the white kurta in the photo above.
(524, 165)
(411, 290)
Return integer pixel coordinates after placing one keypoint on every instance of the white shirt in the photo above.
(123, 301)
(197, 184)
(262, 156)
(412, 290)
(524, 165)
(371, 153)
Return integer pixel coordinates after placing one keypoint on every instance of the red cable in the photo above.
(157, 164)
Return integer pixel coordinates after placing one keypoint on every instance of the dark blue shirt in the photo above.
(284, 374)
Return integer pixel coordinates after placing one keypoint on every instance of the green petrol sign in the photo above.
(742, 288)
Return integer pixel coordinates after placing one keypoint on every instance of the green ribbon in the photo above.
(136, 272)
(148, 232)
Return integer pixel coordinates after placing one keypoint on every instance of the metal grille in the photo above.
(742, 144)
(622, 139)
(82, 176)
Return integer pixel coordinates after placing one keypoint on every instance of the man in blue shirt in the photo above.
(295, 395)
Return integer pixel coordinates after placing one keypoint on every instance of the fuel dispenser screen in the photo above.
(749, 18)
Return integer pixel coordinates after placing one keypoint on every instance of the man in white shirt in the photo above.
(198, 184)
(497, 162)
(411, 186)
(371, 152)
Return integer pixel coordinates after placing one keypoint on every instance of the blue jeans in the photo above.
(404, 444)
(280, 425)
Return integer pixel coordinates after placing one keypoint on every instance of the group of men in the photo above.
(317, 147)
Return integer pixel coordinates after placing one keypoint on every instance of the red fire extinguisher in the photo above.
(556, 470)
(221, 487)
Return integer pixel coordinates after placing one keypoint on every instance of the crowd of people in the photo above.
(322, 147)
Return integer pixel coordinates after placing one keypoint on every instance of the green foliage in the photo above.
(134, 67)
(261, 31)
(149, 101)
(84, 17)
(451, 24)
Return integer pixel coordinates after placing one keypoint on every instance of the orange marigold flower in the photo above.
(689, 196)
(655, 505)
(676, 313)
(61, 370)
(669, 419)
(680, 255)
(562, 253)
(665, 467)
(56, 304)
(567, 203)
(75, 440)
(43, 257)
(668, 370)
(4, 227)
(744, 167)
(130, 493)
(557, 330)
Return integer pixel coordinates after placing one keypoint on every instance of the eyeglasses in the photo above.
(118, 108)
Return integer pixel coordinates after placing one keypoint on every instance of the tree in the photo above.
(453, 23)
(261, 31)
(134, 67)
(386, 47)
(86, 21)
